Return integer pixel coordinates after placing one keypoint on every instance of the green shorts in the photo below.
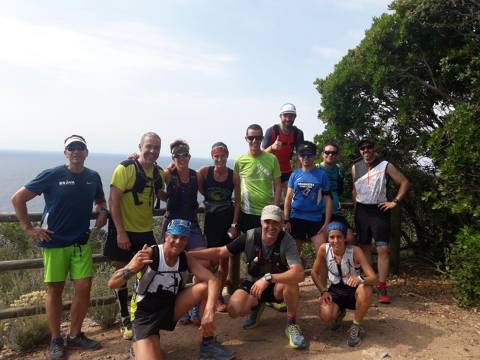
(73, 259)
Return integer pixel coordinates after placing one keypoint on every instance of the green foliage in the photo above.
(413, 85)
(463, 265)
(27, 333)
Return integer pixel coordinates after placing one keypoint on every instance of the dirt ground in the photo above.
(422, 322)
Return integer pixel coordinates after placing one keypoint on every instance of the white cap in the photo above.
(75, 138)
(272, 212)
(288, 108)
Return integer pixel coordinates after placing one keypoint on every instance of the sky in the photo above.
(199, 70)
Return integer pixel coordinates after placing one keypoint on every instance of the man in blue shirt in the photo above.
(69, 192)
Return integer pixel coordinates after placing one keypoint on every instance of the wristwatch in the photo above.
(126, 273)
(234, 226)
(396, 201)
(268, 277)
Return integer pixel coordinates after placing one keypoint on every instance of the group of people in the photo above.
(242, 215)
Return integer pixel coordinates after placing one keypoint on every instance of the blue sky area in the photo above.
(198, 70)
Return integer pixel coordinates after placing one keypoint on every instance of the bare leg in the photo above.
(367, 250)
(318, 240)
(241, 303)
(329, 312)
(148, 348)
(383, 262)
(81, 301)
(364, 297)
(53, 305)
(290, 294)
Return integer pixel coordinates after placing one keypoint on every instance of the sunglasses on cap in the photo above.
(181, 156)
(253, 138)
(366, 147)
(328, 152)
(76, 146)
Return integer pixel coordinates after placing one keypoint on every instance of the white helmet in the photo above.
(288, 108)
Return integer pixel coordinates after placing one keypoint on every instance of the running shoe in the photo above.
(57, 349)
(254, 318)
(338, 321)
(221, 306)
(82, 342)
(383, 297)
(280, 307)
(195, 315)
(213, 350)
(185, 319)
(126, 329)
(295, 337)
(354, 335)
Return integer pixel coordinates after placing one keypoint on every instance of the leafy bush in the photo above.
(463, 266)
(27, 333)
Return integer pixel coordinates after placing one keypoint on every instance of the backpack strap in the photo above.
(149, 273)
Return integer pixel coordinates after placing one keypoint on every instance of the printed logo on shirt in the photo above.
(66, 183)
(305, 188)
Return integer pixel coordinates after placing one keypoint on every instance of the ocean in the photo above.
(19, 167)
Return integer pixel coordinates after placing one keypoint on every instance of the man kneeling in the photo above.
(160, 297)
(340, 264)
(274, 272)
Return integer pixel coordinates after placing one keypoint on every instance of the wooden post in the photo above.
(233, 273)
(395, 229)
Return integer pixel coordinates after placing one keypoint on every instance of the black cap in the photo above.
(365, 141)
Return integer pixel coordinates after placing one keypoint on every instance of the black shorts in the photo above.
(304, 229)
(248, 221)
(371, 222)
(216, 227)
(337, 218)
(343, 295)
(138, 239)
(267, 295)
(285, 176)
(146, 324)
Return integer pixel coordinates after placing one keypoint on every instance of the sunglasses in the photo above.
(366, 147)
(76, 147)
(328, 152)
(306, 155)
(253, 138)
(181, 156)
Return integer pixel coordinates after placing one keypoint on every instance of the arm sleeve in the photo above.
(41, 182)
(238, 245)
(267, 139)
(290, 251)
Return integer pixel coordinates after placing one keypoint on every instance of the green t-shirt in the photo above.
(136, 218)
(257, 175)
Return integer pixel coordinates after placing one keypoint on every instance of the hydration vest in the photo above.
(141, 179)
(339, 272)
(257, 264)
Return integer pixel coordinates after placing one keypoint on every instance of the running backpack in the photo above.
(276, 133)
(141, 179)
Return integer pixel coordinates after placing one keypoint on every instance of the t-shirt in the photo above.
(289, 142)
(69, 201)
(257, 176)
(308, 190)
(335, 180)
(288, 249)
(136, 218)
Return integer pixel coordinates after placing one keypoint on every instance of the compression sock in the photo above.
(291, 319)
(382, 285)
(122, 300)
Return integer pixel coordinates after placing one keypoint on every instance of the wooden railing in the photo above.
(233, 273)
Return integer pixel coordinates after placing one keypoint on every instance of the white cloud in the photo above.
(112, 50)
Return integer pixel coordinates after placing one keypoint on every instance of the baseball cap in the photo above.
(272, 212)
(179, 227)
(365, 140)
(335, 225)
(74, 138)
(307, 148)
(288, 108)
